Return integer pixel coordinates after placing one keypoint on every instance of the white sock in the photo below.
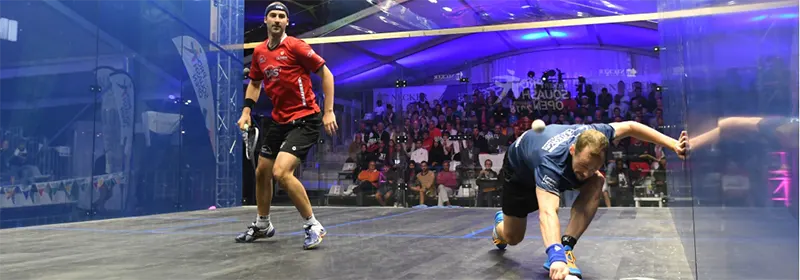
(263, 221)
(312, 221)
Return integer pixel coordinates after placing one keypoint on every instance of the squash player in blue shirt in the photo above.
(539, 166)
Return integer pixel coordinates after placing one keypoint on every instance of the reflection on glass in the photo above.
(731, 80)
(122, 117)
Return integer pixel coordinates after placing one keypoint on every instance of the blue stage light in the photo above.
(542, 34)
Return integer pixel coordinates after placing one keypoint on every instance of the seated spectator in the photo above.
(436, 155)
(599, 117)
(605, 98)
(419, 153)
(394, 155)
(497, 140)
(425, 184)
(487, 172)
(448, 184)
(451, 146)
(368, 179)
(479, 141)
(383, 134)
(380, 109)
(362, 160)
(382, 153)
(640, 155)
(623, 108)
(427, 140)
(468, 156)
(387, 183)
(389, 117)
(355, 148)
(410, 174)
(20, 157)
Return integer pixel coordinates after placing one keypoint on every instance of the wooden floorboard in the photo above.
(362, 243)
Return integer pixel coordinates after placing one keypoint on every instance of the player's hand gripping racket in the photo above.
(250, 136)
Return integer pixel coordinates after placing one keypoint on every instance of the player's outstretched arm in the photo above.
(548, 217)
(551, 232)
(648, 134)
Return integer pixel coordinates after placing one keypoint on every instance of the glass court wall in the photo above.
(117, 108)
(731, 81)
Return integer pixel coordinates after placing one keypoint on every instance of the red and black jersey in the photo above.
(285, 71)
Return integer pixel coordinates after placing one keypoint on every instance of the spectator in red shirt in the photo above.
(434, 131)
(283, 65)
(448, 184)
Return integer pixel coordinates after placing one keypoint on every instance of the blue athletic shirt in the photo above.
(545, 156)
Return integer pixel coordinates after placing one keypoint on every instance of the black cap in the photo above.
(277, 6)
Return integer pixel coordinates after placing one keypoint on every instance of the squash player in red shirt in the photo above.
(283, 64)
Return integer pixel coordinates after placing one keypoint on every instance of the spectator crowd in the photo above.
(433, 146)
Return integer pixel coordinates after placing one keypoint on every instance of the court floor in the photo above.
(362, 243)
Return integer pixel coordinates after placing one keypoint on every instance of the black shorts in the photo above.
(518, 193)
(296, 137)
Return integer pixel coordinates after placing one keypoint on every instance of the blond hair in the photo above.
(594, 140)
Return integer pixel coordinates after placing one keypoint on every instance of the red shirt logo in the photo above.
(272, 71)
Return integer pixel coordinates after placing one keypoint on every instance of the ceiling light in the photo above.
(608, 4)
(731, 2)
(541, 34)
(433, 1)
(511, 14)
(447, 9)
(526, 6)
(580, 14)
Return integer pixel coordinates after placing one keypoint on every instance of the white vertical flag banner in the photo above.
(194, 58)
(122, 87)
(118, 97)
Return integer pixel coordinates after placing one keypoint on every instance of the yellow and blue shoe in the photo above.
(573, 268)
(499, 242)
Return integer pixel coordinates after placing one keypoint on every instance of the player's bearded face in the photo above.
(276, 22)
(584, 164)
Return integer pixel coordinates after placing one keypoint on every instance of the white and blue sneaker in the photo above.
(314, 235)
